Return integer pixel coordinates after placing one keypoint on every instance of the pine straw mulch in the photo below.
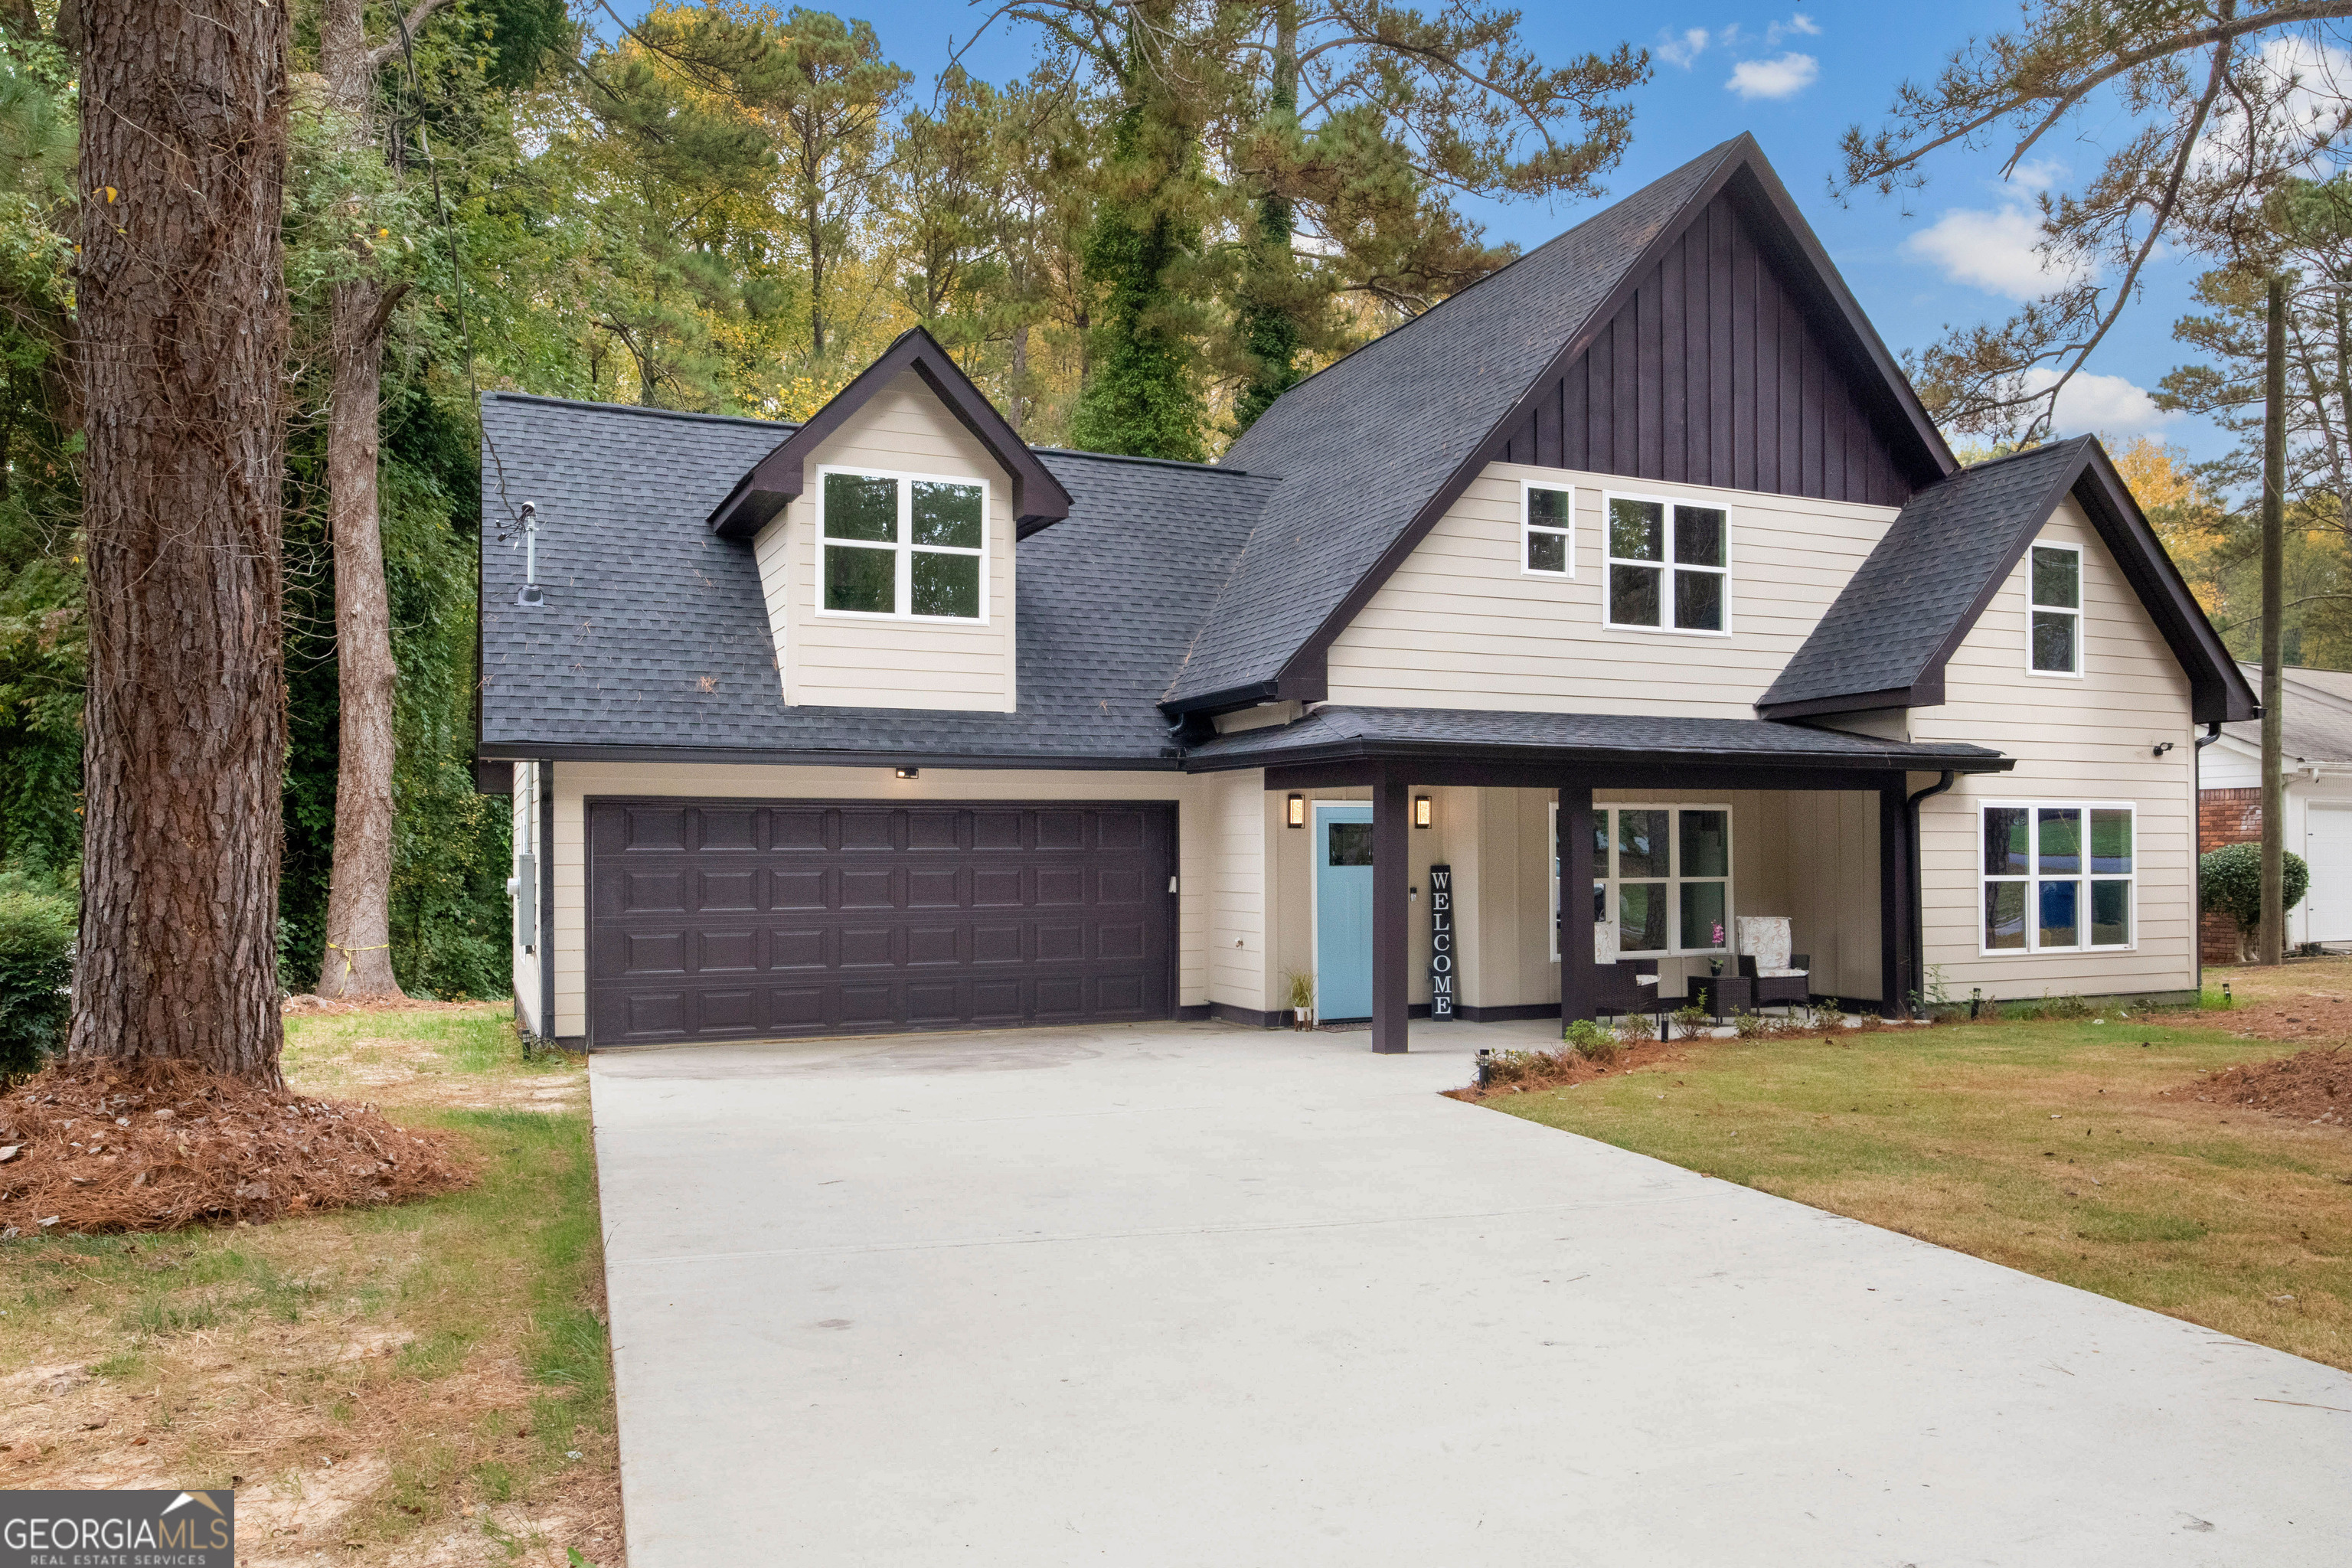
(1523, 1072)
(2313, 1086)
(87, 1147)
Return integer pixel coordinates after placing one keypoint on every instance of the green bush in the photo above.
(2230, 882)
(1589, 1041)
(37, 938)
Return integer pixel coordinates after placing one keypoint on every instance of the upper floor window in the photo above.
(1548, 530)
(902, 544)
(2056, 580)
(1669, 566)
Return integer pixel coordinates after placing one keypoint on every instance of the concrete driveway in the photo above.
(1188, 1295)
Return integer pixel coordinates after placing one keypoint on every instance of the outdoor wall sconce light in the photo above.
(1421, 810)
(2162, 747)
(1293, 811)
(909, 772)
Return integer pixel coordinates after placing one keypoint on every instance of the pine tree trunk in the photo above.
(358, 960)
(358, 957)
(182, 302)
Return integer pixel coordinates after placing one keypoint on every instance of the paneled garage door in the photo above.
(718, 919)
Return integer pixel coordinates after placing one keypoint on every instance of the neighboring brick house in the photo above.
(2316, 730)
(2224, 817)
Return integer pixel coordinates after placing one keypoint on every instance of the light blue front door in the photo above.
(1343, 911)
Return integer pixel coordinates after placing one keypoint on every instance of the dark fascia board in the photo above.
(707, 756)
(1435, 772)
(1795, 242)
(1038, 498)
(2218, 687)
(1561, 760)
(2219, 690)
(1926, 693)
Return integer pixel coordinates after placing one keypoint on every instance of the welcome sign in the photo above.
(1442, 958)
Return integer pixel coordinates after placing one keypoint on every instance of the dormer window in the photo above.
(913, 546)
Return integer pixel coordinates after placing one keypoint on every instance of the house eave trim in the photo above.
(819, 757)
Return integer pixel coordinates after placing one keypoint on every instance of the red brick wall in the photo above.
(2225, 816)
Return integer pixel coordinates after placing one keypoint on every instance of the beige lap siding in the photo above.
(2090, 738)
(524, 802)
(1459, 625)
(832, 661)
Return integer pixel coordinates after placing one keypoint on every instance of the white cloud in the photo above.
(2101, 403)
(1685, 50)
(1783, 78)
(1994, 251)
(1797, 24)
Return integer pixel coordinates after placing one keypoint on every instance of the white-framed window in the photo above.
(2054, 583)
(1669, 566)
(2058, 876)
(1547, 530)
(908, 546)
(1661, 872)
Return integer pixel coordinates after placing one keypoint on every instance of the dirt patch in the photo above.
(1523, 1072)
(91, 1147)
(2314, 1086)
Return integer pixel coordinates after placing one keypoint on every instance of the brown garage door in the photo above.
(718, 919)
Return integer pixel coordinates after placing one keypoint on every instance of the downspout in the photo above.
(545, 773)
(1919, 881)
(2196, 816)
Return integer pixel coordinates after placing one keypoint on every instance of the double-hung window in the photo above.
(903, 545)
(1548, 536)
(1669, 566)
(2057, 877)
(2055, 581)
(1663, 873)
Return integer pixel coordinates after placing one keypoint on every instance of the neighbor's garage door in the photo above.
(716, 920)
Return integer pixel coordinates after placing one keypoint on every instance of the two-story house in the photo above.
(1636, 570)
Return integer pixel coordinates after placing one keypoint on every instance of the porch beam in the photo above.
(1472, 773)
(1579, 977)
(1391, 836)
(1895, 982)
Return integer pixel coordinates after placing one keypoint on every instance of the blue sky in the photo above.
(1957, 252)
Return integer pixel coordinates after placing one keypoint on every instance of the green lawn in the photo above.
(429, 1381)
(2041, 1145)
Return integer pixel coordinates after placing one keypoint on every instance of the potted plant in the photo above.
(1715, 961)
(1302, 999)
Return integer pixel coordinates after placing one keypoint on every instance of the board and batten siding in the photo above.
(1219, 867)
(1460, 625)
(2089, 737)
(830, 661)
(1713, 374)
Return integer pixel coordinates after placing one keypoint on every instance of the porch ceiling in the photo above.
(1579, 741)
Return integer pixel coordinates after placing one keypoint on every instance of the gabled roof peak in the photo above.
(1038, 498)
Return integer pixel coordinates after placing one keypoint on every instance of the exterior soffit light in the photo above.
(909, 772)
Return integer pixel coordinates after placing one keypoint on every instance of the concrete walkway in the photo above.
(1188, 1295)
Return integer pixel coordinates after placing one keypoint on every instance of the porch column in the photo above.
(1391, 836)
(1896, 902)
(1580, 978)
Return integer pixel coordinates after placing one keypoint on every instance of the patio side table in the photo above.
(1723, 994)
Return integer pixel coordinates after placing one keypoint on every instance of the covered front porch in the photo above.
(1417, 859)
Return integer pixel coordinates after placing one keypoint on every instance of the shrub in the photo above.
(2230, 882)
(37, 942)
(1592, 1042)
(1747, 1024)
